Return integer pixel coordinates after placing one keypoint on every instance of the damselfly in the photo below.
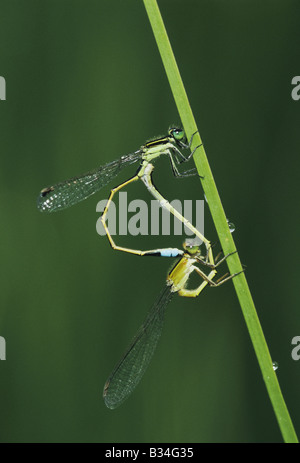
(129, 371)
(74, 190)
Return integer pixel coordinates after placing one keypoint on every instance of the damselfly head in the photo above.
(191, 247)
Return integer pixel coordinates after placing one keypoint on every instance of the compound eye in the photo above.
(178, 134)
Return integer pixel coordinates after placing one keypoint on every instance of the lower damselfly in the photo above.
(133, 364)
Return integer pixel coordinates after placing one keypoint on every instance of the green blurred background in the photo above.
(85, 84)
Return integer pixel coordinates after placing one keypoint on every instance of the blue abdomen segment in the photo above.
(170, 252)
(165, 252)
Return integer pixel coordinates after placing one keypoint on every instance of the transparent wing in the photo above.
(76, 189)
(129, 371)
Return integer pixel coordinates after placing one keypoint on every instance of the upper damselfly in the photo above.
(76, 189)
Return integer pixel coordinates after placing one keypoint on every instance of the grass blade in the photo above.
(219, 218)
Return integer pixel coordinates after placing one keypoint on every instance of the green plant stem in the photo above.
(219, 218)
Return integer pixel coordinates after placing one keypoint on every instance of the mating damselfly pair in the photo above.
(133, 364)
